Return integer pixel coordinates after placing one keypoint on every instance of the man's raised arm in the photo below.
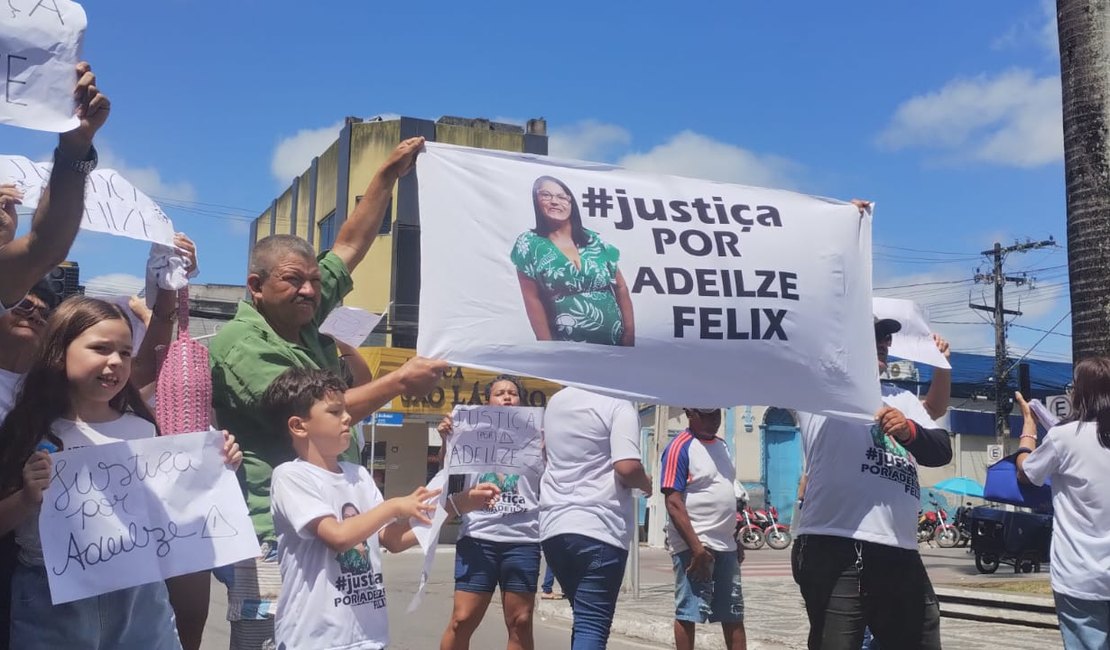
(362, 227)
(27, 259)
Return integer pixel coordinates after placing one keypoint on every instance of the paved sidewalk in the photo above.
(774, 615)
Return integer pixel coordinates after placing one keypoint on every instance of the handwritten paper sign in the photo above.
(915, 340)
(503, 439)
(134, 512)
(428, 537)
(40, 44)
(350, 325)
(112, 204)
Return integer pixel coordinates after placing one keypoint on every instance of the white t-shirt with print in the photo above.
(75, 434)
(585, 433)
(515, 518)
(861, 483)
(703, 472)
(1072, 457)
(9, 388)
(329, 600)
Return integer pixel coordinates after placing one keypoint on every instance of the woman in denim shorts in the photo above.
(497, 547)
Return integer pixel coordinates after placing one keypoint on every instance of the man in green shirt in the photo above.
(292, 291)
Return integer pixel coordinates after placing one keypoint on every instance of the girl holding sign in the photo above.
(77, 393)
(498, 546)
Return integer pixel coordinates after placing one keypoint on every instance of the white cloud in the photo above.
(1011, 119)
(695, 155)
(294, 154)
(588, 140)
(1037, 28)
(114, 284)
(147, 179)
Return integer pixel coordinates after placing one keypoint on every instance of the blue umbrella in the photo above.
(960, 485)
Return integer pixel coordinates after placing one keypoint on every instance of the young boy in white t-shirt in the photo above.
(331, 521)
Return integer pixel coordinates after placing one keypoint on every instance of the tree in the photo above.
(1084, 29)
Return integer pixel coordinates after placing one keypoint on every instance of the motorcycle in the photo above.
(748, 534)
(933, 524)
(777, 535)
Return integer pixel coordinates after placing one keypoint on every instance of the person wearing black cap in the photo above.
(855, 557)
(697, 481)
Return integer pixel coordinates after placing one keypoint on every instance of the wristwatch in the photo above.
(85, 166)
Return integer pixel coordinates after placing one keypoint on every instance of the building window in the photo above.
(328, 231)
(387, 221)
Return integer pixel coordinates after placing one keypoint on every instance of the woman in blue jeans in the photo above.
(497, 548)
(1075, 456)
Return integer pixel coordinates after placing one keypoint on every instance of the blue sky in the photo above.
(945, 113)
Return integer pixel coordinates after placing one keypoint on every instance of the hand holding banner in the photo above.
(634, 284)
(134, 512)
(40, 43)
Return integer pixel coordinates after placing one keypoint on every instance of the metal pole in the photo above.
(1000, 373)
(656, 506)
(634, 550)
(373, 441)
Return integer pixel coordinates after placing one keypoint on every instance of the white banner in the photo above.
(135, 512)
(427, 535)
(650, 287)
(40, 46)
(915, 340)
(112, 204)
(501, 439)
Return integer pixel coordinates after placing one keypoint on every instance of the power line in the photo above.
(1043, 337)
(923, 284)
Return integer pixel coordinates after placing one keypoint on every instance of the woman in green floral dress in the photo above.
(572, 288)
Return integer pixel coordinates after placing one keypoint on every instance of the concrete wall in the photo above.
(284, 225)
(327, 178)
(304, 196)
(371, 144)
(263, 226)
(749, 450)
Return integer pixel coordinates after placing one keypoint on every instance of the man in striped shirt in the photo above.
(697, 479)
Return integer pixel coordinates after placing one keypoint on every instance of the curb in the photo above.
(655, 629)
(993, 607)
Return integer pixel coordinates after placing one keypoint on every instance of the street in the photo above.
(772, 603)
(422, 629)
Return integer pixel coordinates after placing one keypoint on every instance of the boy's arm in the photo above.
(341, 536)
(344, 535)
(399, 535)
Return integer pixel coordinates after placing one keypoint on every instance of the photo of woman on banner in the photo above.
(572, 288)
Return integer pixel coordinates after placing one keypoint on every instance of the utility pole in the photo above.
(1001, 370)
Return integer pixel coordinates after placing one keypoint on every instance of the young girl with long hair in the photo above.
(77, 393)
